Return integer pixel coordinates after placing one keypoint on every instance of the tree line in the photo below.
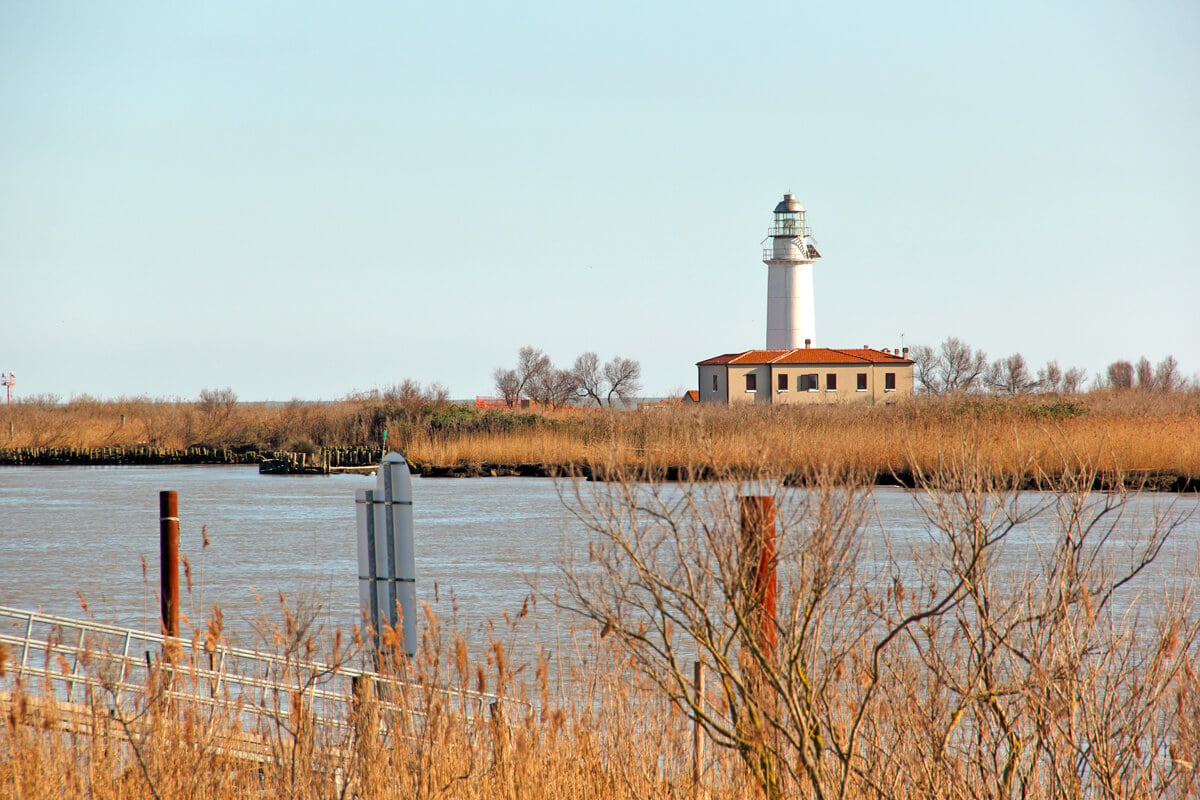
(536, 378)
(953, 366)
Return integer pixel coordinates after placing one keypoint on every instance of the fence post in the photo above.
(697, 735)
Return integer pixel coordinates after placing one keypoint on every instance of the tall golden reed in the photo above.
(1108, 430)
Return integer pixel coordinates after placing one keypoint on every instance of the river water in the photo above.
(76, 535)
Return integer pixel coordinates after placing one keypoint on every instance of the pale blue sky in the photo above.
(300, 201)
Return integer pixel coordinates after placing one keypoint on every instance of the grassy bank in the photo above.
(1131, 430)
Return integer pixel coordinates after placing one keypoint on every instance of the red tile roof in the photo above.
(818, 355)
(877, 356)
(722, 359)
(758, 356)
(807, 355)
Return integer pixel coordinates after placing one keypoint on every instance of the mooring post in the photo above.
(368, 566)
(759, 582)
(168, 548)
(386, 562)
(758, 565)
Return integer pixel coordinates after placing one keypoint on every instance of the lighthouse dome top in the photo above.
(788, 204)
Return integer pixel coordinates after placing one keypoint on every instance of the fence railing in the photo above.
(87, 664)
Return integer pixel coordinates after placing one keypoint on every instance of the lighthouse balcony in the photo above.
(800, 251)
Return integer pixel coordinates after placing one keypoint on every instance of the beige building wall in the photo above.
(904, 382)
(711, 392)
(730, 383)
(739, 394)
(845, 383)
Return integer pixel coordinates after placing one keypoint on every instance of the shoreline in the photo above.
(362, 460)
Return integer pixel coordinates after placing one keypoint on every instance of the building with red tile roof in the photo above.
(787, 373)
(806, 375)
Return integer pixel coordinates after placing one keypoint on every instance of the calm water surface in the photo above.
(69, 530)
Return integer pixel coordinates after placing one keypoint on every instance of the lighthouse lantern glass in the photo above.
(789, 223)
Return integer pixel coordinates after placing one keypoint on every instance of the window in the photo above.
(889, 381)
(808, 383)
(751, 382)
(714, 382)
(862, 381)
(831, 381)
(781, 382)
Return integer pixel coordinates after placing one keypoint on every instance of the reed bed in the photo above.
(1113, 431)
(443, 724)
(1016, 438)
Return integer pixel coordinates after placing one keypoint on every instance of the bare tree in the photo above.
(1050, 378)
(961, 369)
(925, 368)
(537, 378)
(437, 394)
(406, 393)
(1073, 380)
(552, 387)
(1120, 375)
(531, 363)
(216, 407)
(411, 395)
(508, 385)
(1166, 375)
(1010, 376)
(217, 401)
(953, 367)
(513, 384)
(588, 378)
(624, 378)
(1145, 374)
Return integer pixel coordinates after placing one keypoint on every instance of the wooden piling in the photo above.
(758, 565)
(168, 546)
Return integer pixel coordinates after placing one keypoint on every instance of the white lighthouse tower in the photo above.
(789, 258)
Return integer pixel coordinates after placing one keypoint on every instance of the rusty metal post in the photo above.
(758, 554)
(759, 582)
(168, 548)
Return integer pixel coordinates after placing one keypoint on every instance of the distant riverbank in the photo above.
(1123, 437)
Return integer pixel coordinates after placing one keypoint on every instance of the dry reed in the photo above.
(1109, 430)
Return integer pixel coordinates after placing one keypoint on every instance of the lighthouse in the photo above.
(789, 257)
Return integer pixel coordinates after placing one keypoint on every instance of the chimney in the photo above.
(905, 352)
(889, 352)
(866, 347)
(807, 343)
